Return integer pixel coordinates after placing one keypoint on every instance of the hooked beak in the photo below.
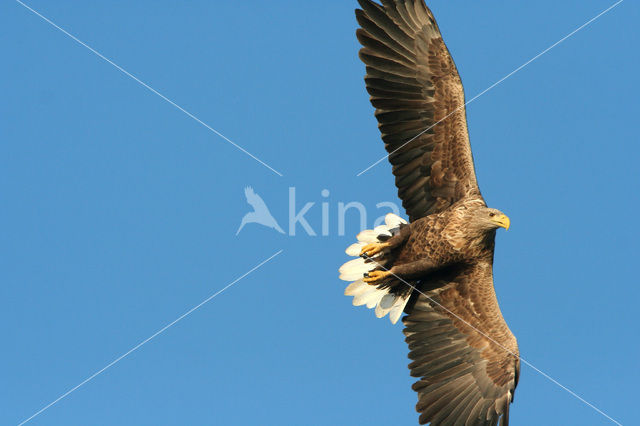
(503, 221)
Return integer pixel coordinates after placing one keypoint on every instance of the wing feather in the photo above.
(416, 90)
(467, 374)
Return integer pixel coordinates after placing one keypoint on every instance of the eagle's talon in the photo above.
(374, 277)
(372, 249)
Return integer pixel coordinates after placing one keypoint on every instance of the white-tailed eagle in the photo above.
(438, 267)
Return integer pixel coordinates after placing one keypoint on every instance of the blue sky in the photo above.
(120, 211)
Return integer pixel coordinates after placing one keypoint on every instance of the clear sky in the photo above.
(119, 211)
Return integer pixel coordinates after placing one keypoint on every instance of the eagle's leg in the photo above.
(402, 272)
(414, 269)
(372, 249)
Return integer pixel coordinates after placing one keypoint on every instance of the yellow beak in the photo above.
(503, 221)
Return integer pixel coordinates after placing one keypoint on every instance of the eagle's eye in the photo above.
(492, 214)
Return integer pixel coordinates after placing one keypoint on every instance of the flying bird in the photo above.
(260, 213)
(437, 268)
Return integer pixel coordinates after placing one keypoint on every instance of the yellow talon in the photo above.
(372, 249)
(374, 277)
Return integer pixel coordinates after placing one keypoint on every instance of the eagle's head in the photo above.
(485, 219)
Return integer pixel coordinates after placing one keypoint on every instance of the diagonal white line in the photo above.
(142, 83)
(494, 84)
(136, 347)
(501, 346)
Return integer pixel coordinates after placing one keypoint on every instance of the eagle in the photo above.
(438, 267)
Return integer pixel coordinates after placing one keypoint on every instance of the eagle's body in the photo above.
(438, 269)
(447, 237)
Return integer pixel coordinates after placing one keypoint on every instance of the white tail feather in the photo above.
(381, 312)
(354, 249)
(393, 221)
(354, 270)
(375, 298)
(397, 310)
(367, 236)
(367, 297)
(388, 301)
(381, 230)
(356, 288)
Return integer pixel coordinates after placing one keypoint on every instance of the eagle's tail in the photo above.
(383, 297)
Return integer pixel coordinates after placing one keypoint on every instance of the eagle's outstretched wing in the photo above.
(463, 353)
(416, 90)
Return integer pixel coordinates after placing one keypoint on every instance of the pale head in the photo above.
(487, 219)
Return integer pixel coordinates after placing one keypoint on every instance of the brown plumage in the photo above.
(437, 268)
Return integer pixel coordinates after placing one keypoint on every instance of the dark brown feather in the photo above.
(462, 350)
(417, 93)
